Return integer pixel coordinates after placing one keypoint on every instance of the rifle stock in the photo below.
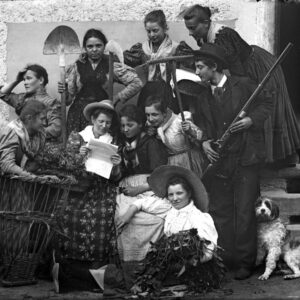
(222, 141)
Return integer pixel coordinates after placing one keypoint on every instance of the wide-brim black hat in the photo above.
(212, 51)
(159, 178)
(191, 88)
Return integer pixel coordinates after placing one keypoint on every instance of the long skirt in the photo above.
(88, 221)
(282, 133)
(134, 240)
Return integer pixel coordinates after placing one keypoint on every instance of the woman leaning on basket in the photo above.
(22, 140)
(87, 79)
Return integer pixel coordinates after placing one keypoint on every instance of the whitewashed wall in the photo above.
(254, 20)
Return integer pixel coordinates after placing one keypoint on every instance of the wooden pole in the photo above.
(181, 109)
(111, 77)
(62, 65)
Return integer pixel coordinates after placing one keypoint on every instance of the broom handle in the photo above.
(181, 110)
(62, 64)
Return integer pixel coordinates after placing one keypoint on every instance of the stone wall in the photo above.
(254, 20)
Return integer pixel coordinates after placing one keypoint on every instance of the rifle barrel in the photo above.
(226, 135)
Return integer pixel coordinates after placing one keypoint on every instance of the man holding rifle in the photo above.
(234, 185)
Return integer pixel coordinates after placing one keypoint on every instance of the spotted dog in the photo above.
(273, 240)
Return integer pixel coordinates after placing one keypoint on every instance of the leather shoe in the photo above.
(242, 273)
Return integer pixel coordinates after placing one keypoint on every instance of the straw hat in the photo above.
(88, 110)
(159, 178)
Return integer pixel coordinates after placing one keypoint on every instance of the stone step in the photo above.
(294, 230)
(287, 179)
(288, 203)
(289, 172)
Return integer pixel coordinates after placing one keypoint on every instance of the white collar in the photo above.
(187, 208)
(87, 134)
(221, 83)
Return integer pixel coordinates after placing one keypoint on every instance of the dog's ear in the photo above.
(258, 201)
(274, 211)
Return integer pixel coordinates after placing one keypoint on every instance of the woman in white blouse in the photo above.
(182, 138)
(185, 207)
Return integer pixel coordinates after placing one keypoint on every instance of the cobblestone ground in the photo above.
(252, 288)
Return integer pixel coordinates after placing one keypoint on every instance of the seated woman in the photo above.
(180, 138)
(181, 187)
(141, 155)
(21, 141)
(35, 79)
(89, 215)
(87, 79)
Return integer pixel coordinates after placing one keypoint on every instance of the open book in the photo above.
(99, 157)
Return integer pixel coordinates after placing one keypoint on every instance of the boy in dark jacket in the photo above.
(234, 187)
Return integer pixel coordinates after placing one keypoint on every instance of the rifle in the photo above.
(220, 144)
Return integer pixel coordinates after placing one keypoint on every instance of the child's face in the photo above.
(130, 128)
(203, 71)
(154, 116)
(178, 196)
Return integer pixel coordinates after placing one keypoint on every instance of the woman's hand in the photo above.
(211, 154)
(186, 126)
(151, 131)
(84, 150)
(132, 191)
(61, 87)
(116, 159)
(242, 124)
(20, 75)
(49, 178)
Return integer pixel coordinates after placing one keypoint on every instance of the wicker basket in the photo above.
(28, 214)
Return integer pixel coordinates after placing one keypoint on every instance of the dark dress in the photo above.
(282, 132)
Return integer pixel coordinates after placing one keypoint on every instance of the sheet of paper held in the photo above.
(99, 157)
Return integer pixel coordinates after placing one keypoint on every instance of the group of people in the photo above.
(155, 185)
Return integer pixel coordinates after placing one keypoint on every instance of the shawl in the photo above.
(29, 145)
(166, 49)
(169, 120)
(130, 156)
(213, 31)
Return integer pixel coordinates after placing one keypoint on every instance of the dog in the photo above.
(274, 241)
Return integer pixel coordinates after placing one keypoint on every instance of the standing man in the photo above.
(282, 131)
(234, 187)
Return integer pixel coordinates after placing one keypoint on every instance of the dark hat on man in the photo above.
(90, 108)
(160, 177)
(212, 51)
